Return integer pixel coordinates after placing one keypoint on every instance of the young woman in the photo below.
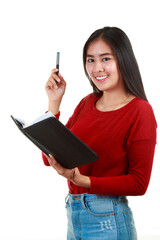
(118, 123)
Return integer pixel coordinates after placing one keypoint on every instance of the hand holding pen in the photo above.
(55, 88)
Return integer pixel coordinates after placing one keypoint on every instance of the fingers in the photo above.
(67, 173)
(58, 76)
(54, 79)
(54, 75)
(62, 80)
(55, 70)
(51, 83)
(56, 165)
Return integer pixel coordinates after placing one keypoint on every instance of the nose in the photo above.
(98, 66)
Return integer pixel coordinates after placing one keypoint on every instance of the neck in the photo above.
(111, 101)
(110, 98)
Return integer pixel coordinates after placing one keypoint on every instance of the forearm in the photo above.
(136, 181)
(125, 185)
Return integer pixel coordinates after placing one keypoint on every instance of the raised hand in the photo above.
(55, 89)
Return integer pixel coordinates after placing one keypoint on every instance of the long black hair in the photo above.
(122, 49)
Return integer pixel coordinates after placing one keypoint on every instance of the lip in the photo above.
(101, 78)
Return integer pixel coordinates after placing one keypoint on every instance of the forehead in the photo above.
(98, 47)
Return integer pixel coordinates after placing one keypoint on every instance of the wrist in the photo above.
(82, 181)
(54, 106)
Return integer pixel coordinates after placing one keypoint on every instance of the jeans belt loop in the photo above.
(83, 202)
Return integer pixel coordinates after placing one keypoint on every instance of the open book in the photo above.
(52, 137)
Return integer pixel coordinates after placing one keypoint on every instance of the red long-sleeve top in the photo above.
(124, 140)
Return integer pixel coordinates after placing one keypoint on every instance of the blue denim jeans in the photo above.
(99, 217)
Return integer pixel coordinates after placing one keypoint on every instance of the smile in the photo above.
(101, 78)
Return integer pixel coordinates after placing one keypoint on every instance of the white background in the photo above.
(32, 31)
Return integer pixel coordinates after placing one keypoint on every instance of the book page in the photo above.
(41, 118)
(22, 122)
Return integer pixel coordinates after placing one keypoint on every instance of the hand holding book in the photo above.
(72, 175)
(52, 137)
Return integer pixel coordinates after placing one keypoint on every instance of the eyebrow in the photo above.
(100, 55)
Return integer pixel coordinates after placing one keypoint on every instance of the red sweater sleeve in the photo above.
(45, 161)
(136, 181)
(141, 143)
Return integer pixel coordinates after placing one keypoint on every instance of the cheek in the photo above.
(111, 68)
(108, 68)
(88, 69)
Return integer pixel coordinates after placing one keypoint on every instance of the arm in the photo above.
(140, 145)
(136, 181)
(55, 89)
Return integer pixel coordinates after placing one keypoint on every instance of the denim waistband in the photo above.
(92, 216)
(90, 197)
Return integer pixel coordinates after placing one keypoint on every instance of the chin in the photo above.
(102, 89)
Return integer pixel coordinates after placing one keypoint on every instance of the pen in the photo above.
(57, 62)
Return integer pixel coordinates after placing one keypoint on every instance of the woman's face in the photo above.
(102, 66)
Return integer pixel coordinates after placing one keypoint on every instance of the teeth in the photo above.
(103, 77)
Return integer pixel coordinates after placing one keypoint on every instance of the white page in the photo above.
(39, 119)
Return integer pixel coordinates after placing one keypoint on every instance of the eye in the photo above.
(90, 60)
(105, 59)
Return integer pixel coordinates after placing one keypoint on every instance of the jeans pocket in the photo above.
(100, 207)
(130, 225)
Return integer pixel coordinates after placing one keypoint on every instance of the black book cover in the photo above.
(52, 137)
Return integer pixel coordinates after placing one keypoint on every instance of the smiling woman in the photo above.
(116, 43)
(103, 70)
(118, 123)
